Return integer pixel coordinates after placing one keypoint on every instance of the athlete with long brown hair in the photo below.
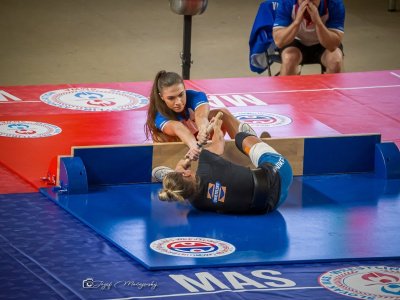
(177, 114)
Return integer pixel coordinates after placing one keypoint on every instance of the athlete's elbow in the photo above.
(278, 41)
(279, 44)
(277, 38)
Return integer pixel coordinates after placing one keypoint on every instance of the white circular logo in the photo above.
(27, 129)
(94, 99)
(262, 119)
(364, 282)
(192, 247)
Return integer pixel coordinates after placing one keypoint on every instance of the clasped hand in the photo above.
(309, 11)
(202, 138)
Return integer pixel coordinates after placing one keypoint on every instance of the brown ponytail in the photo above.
(163, 79)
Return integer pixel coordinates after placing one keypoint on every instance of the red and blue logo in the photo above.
(94, 99)
(192, 247)
(364, 282)
(263, 119)
(27, 129)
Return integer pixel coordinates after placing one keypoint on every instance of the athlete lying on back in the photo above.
(222, 186)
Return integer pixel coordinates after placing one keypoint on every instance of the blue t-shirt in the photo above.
(194, 99)
(332, 13)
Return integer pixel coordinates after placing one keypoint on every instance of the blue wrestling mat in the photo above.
(344, 206)
(46, 253)
(325, 218)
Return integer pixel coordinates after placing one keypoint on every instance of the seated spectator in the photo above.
(310, 31)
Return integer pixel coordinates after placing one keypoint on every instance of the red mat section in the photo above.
(309, 105)
(10, 183)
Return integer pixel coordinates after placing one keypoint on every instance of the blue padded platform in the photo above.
(342, 154)
(325, 218)
(116, 165)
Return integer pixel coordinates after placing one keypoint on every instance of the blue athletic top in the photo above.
(194, 99)
(261, 38)
(332, 13)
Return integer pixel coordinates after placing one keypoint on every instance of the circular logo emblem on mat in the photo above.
(27, 129)
(262, 119)
(93, 99)
(192, 247)
(375, 282)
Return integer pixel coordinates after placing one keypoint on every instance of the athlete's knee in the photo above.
(225, 112)
(258, 150)
(291, 56)
(239, 141)
(334, 66)
(334, 61)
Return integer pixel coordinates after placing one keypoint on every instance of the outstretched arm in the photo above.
(190, 155)
(201, 118)
(176, 128)
(218, 142)
(183, 165)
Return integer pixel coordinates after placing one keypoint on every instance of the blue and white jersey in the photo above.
(194, 99)
(261, 39)
(332, 14)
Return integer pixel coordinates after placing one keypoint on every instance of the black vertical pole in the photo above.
(187, 37)
(392, 5)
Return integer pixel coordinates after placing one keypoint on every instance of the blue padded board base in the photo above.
(344, 154)
(116, 165)
(325, 218)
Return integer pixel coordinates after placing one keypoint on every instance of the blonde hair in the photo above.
(177, 188)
